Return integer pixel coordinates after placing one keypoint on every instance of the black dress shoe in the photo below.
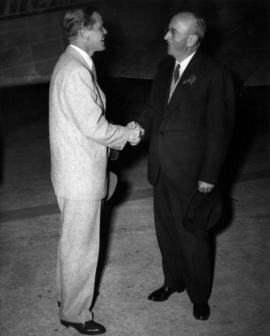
(201, 311)
(163, 293)
(87, 328)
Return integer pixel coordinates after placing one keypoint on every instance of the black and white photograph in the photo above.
(135, 167)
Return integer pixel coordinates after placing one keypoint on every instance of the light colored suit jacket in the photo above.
(79, 132)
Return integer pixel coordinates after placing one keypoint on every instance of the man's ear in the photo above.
(192, 40)
(83, 32)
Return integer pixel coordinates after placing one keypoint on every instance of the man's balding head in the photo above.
(193, 22)
(185, 32)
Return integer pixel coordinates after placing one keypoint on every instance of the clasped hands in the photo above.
(136, 134)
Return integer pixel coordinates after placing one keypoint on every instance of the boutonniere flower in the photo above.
(190, 81)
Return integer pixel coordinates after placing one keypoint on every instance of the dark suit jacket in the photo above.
(189, 136)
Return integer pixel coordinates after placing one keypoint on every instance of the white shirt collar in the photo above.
(184, 63)
(85, 56)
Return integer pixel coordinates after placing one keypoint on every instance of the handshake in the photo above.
(136, 134)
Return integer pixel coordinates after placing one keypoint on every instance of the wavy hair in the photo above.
(76, 19)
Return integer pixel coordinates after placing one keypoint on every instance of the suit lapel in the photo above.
(74, 53)
(189, 77)
(168, 80)
(70, 50)
(165, 83)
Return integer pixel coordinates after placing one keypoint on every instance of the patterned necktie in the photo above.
(94, 78)
(176, 73)
(94, 71)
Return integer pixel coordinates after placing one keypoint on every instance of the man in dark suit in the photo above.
(191, 116)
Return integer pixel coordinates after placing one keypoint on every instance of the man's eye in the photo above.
(172, 31)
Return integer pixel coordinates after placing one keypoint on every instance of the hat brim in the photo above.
(203, 212)
(111, 185)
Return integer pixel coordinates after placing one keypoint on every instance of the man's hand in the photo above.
(205, 187)
(136, 134)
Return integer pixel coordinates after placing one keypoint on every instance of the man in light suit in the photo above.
(80, 139)
(191, 114)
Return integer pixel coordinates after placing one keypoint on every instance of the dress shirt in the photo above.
(184, 63)
(183, 66)
(91, 65)
(86, 57)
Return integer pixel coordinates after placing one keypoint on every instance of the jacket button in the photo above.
(161, 132)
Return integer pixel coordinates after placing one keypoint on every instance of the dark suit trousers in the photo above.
(186, 256)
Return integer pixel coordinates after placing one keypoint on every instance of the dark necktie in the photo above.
(176, 73)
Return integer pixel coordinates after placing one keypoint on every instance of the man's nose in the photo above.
(166, 36)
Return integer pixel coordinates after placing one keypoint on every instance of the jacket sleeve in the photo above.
(145, 119)
(219, 124)
(149, 111)
(85, 108)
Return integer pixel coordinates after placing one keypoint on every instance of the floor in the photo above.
(131, 263)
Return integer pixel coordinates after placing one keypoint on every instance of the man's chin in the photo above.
(101, 48)
(169, 50)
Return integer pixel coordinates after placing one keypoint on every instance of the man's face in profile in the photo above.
(95, 35)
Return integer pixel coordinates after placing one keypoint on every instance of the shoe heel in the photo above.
(65, 324)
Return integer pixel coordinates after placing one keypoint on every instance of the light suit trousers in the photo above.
(77, 259)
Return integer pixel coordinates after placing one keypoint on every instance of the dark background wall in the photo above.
(238, 36)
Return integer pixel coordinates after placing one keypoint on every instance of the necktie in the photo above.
(94, 71)
(94, 78)
(176, 73)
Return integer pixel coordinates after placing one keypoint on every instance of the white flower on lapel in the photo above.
(190, 81)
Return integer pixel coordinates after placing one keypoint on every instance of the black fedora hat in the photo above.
(204, 211)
